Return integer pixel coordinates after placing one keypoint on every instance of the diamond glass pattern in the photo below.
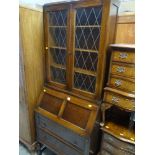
(58, 75)
(58, 56)
(58, 18)
(86, 60)
(57, 41)
(88, 16)
(58, 35)
(87, 38)
(84, 82)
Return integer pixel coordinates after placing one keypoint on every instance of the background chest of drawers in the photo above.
(118, 108)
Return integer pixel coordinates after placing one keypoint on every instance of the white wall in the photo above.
(126, 5)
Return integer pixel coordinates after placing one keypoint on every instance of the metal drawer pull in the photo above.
(120, 69)
(115, 99)
(123, 55)
(101, 124)
(118, 83)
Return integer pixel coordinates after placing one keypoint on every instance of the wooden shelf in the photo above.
(63, 48)
(85, 50)
(120, 92)
(83, 71)
(88, 26)
(129, 46)
(120, 132)
(58, 66)
(57, 26)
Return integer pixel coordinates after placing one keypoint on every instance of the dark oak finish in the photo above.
(93, 79)
(77, 35)
(60, 116)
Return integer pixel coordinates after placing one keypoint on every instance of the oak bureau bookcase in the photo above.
(77, 35)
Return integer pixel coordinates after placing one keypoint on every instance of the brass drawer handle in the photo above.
(118, 83)
(115, 99)
(120, 69)
(123, 55)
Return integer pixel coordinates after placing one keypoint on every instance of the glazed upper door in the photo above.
(72, 34)
(87, 30)
(56, 31)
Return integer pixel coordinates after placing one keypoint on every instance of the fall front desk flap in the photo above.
(76, 114)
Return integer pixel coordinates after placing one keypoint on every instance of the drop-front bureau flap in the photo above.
(76, 114)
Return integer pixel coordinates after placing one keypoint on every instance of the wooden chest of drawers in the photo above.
(119, 103)
(114, 146)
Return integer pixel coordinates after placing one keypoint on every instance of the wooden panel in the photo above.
(119, 100)
(118, 143)
(125, 29)
(24, 128)
(127, 57)
(31, 29)
(67, 134)
(121, 83)
(123, 70)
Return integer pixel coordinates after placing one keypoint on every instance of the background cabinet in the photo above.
(31, 73)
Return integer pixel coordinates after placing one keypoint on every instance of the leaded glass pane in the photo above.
(87, 38)
(89, 16)
(57, 36)
(58, 18)
(58, 56)
(86, 60)
(57, 24)
(84, 82)
(58, 75)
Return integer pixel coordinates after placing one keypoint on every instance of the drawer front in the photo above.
(119, 144)
(123, 70)
(104, 152)
(113, 150)
(55, 144)
(61, 131)
(122, 84)
(120, 101)
(128, 57)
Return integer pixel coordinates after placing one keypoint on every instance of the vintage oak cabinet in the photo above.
(118, 109)
(77, 35)
(76, 38)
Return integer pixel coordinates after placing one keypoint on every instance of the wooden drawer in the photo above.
(61, 131)
(123, 70)
(117, 143)
(119, 100)
(113, 150)
(104, 152)
(122, 56)
(121, 83)
(57, 145)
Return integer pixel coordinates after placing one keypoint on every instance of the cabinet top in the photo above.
(115, 2)
(127, 46)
